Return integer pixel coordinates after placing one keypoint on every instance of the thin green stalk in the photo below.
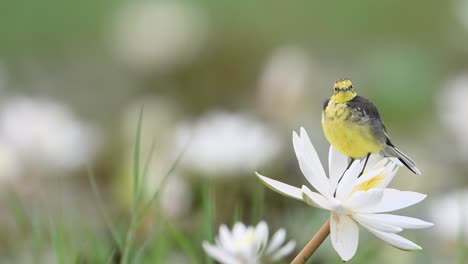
(136, 158)
(138, 209)
(28, 222)
(136, 192)
(141, 250)
(238, 213)
(58, 243)
(161, 248)
(110, 258)
(208, 216)
(156, 193)
(258, 203)
(129, 241)
(99, 202)
(149, 158)
(19, 212)
(184, 243)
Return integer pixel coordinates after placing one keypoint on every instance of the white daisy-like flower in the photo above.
(353, 200)
(248, 245)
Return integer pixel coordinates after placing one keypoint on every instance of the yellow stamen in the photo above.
(372, 183)
(246, 241)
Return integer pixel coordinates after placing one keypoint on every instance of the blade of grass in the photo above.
(58, 243)
(150, 203)
(19, 212)
(140, 252)
(128, 244)
(258, 203)
(110, 225)
(136, 157)
(39, 234)
(137, 211)
(238, 213)
(110, 258)
(161, 250)
(184, 242)
(208, 216)
(156, 193)
(138, 215)
(146, 167)
(29, 223)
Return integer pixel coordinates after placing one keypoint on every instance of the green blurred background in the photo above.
(225, 82)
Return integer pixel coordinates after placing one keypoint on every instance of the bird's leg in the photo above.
(365, 164)
(341, 177)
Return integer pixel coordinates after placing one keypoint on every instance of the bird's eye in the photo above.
(336, 89)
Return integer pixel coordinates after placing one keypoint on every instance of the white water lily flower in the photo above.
(353, 200)
(248, 245)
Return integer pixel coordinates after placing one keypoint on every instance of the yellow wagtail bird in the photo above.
(352, 124)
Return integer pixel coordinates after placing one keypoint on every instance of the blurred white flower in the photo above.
(46, 133)
(227, 144)
(46, 255)
(159, 35)
(179, 258)
(176, 197)
(10, 163)
(283, 83)
(461, 11)
(453, 110)
(450, 213)
(353, 200)
(248, 245)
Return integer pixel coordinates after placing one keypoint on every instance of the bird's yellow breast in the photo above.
(351, 138)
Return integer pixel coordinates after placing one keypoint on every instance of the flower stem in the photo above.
(313, 244)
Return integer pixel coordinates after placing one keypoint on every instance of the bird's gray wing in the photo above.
(365, 113)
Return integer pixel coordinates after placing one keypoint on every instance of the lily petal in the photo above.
(219, 254)
(344, 235)
(347, 183)
(384, 227)
(398, 220)
(393, 239)
(394, 200)
(376, 161)
(337, 163)
(368, 175)
(281, 188)
(361, 200)
(310, 164)
(311, 153)
(315, 199)
(390, 174)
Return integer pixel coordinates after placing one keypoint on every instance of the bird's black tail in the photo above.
(391, 151)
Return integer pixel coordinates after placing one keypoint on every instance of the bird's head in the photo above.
(343, 91)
